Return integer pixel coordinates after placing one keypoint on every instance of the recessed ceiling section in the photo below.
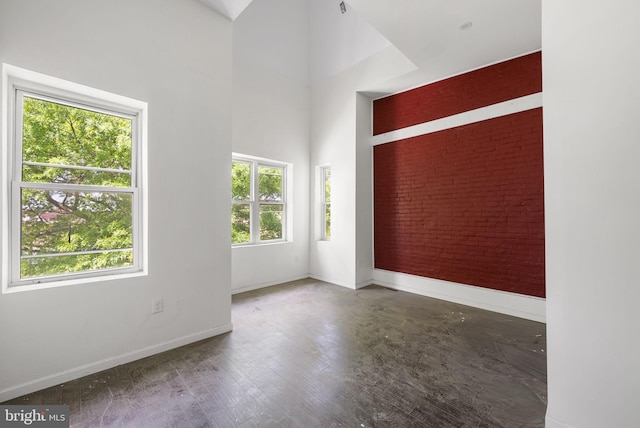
(446, 37)
(229, 8)
(339, 40)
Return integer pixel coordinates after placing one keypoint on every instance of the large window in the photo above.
(74, 186)
(258, 197)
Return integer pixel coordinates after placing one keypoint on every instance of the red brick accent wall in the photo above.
(465, 204)
(490, 85)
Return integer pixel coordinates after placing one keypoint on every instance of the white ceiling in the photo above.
(339, 40)
(229, 8)
(430, 33)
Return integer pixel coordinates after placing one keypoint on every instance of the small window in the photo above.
(326, 203)
(258, 197)
(74, 185)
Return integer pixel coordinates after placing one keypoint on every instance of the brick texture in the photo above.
(479, 88)
(465, 204)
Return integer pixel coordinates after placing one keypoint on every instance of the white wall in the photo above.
(364, 191)
(176, 55)
(334, 132)
(271, 120)
(347, 55)
(592, 198)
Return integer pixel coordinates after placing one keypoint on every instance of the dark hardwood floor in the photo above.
(312, 354)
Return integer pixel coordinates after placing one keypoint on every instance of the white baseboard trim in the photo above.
(334, 281)
(528, 307)
(267, 284)
(87, 369)
(364, 284)
(552, 423)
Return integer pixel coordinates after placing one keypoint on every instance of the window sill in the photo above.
(261, 244)
(17, 288)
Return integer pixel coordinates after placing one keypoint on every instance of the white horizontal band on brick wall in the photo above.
(516, 105)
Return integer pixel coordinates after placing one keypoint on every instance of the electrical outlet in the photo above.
(156, 305)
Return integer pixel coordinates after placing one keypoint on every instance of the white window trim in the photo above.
(19, 79)
(287, 232)
(324, 203)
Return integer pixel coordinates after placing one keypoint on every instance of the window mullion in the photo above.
(285, 220)
(14, 188)
(135, 228)
(135, 150)
(255, 204)
(84, 168)
(15, 232)
(16, 172)
(75, 253)
(74, 187)
(325, 200)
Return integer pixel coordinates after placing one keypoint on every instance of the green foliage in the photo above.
(63, 135)
(240, 223)
(327, 203)
(327, 185)
(240, 213)
(327, 221)
(61, 221)
(270, 183)
(270, 222)
(241, 181)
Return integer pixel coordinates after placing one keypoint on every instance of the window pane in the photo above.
(270, 183)
(270, 222)
(54, 221)
(327, 221)
(48, 174)
(240, 181)
(327, 185)
(40, 266)
(240, 223)
(59, 134)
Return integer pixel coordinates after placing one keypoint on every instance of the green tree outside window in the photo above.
(76, 202)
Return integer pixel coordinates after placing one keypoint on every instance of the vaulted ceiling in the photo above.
(440, 37)
(229, 8)
(446, 37)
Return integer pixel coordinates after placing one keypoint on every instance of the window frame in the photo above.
(324, 169)
(18, 83)
(255, 204)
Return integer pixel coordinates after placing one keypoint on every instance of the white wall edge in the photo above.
(267, 284)
(518, 305)
(493, 111)
(364, 284)
(78, 372)
(352, 286)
